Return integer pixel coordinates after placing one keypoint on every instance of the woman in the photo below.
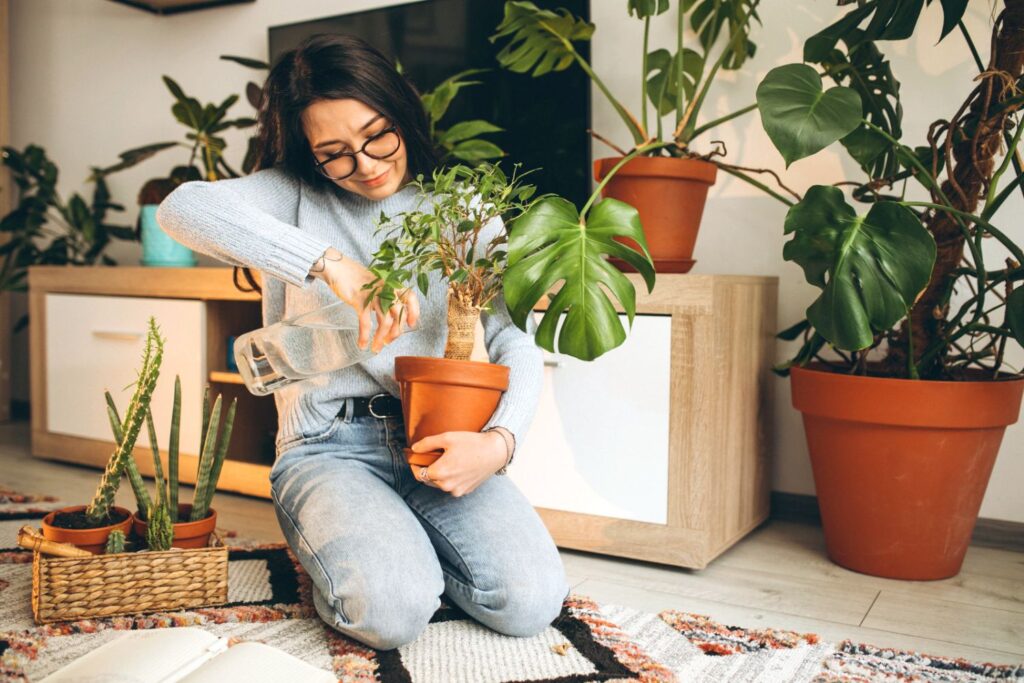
(341, 134)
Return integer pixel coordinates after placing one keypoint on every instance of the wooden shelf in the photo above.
(225, 377)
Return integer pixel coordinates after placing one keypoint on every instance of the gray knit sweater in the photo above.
(275, 223)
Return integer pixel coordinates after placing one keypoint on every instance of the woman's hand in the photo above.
(469, 458)
(346, 278)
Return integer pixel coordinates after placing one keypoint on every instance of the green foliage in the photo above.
(870, 268)
(160, 525)
(115, 542)
(44, 228)
(131, 468)
(799, 117)
(709, 17)
(214, 450)
(99, 509)
(452, 235)
(461, 141)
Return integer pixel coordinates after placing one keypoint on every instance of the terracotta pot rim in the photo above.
(820, 369)
(930, 404)
(185, 529)
(48, 519)
(469, 373)
(696, 170)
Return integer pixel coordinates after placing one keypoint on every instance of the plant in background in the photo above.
(548, 241)
(99, 510)
(461, 141)
(115, 542)
(888, 276)
(46, 229)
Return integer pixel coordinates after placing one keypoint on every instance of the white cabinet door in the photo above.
(95, 343)
(599, 441)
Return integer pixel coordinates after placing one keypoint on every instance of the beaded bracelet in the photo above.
(510, 448)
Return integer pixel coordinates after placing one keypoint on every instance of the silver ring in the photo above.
(424, 477)
(369, 406)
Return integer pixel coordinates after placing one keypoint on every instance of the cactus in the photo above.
(99, 509)
(115, 542)
(131, 468)
(214, 452)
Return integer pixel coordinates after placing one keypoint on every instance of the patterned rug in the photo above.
(269, 601)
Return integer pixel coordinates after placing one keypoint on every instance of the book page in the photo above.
(147, 656)
(257, 663)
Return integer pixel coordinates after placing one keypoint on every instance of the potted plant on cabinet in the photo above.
(190, 524)
(905, 425)
(668, 181)
(464, 236)
(88, 526)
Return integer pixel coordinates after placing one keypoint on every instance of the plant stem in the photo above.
(679, 74)
(722, 119)
(756, 183)
(991, 229)
(615, 169)
(643, 77)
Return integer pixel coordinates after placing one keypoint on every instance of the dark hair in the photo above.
(330, 66)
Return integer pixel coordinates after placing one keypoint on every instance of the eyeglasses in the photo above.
(341, 165)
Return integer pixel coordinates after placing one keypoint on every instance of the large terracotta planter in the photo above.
(669, 194)
(443, 395)
(93, 540)
(186, 534)
(901, 466)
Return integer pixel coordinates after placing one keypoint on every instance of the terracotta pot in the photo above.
(669, 193)
(186, 534)
(901, 466)
(443, 395)
(93, 540)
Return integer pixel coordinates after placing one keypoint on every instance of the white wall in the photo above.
(86, 85)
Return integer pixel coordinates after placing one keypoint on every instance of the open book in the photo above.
(188, 655)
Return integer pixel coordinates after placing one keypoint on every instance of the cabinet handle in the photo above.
(551, 360)
(118, 335)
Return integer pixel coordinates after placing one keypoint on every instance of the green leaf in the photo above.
(1015, 314)
(709, 17)
(477, 150)
(464, 130)
(551, 244)
(952, 13)
(799, 117)
(247, 61)
(662, 82)
(423, 282)
(870, 268)
(647, 8)
(541, 40)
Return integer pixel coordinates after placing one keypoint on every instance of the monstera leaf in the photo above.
(541, 39)
(870, 268)
(801, 118)
(663, 69)
(550, 243)
(1015, 314)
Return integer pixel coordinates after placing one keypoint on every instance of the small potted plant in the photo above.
(164, 522)
(668, 181)
(493, 244)
(89, 526)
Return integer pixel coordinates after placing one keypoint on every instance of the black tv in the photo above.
(545, 119)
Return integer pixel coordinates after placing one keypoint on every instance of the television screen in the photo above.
(545, 119)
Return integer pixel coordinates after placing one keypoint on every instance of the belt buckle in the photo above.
(369, 405)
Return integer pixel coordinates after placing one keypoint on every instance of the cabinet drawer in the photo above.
(95, 343)
(599, 441)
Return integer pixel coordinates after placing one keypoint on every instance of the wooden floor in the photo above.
(777, 577)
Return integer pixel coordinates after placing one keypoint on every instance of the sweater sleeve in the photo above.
(248, 221)
(508, 345)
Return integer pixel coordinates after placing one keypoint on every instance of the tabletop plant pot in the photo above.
(186, 534)
(669, 193)
(93, 539)
(900, 466)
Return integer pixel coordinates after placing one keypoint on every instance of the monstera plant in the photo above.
(668, 179)
(909, 393)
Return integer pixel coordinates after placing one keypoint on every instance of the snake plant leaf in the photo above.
(551, 244)
(1015, 314)
(799, 117)
(541, 39)
(870, 268)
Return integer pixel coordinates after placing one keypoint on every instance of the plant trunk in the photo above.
(461, 329)
(973, 164)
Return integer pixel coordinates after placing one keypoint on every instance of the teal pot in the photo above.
(159, 248)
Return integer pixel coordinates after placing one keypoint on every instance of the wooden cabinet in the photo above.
(660, 450)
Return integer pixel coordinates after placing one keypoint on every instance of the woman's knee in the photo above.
(525, 605)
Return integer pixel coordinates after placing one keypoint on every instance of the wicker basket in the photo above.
(70, 588)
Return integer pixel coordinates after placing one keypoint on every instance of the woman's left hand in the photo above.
(469, 458)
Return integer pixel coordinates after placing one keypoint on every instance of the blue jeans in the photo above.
(382, 547)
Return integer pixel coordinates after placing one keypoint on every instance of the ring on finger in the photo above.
(423, 476)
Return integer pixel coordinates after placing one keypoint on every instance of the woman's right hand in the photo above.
(346, 278)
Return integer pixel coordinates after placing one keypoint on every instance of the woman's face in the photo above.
(333, 126)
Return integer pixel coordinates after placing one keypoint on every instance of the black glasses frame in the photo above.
(320, 165)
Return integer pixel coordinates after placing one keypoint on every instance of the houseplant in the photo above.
(190, 524)
(464, 234)
(541, 41)
(88, 526)
(905, 425)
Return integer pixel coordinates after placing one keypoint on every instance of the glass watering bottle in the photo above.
(300, 347)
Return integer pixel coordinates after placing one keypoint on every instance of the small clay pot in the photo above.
(444, 395)
(93, 540)
(186, 534)
(669, 193)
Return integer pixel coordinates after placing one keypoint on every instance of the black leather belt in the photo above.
(379, 406)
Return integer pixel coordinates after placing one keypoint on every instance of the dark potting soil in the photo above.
(78, 520)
